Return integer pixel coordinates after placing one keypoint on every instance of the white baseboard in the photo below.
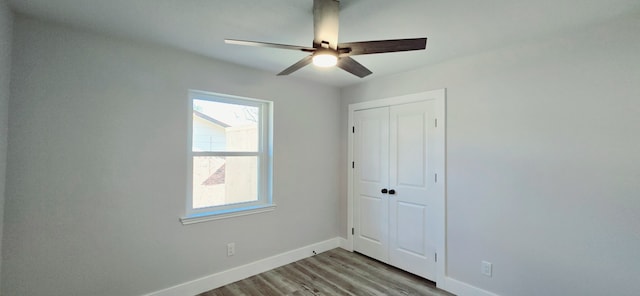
(463, 289)
(241, 272)
(343, 243)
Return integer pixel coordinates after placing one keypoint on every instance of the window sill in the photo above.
(210, 216)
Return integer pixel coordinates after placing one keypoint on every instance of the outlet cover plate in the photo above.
(487, 268)
(231, 249)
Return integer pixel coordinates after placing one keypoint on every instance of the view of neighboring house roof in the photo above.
(217, 177)
(209, 118)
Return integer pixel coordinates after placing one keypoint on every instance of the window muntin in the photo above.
(230, 154)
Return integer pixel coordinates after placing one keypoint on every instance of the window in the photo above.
(230, 152)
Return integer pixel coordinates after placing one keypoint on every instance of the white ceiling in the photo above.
(454, 27)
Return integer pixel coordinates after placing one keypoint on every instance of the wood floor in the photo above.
(336, 272)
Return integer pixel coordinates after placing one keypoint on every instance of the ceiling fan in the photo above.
(327, 52)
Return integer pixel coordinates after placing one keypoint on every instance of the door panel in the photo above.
(410, 149)
(411, 240)
(371, 136)
(412, 246)
(371, 174)
(371, 210)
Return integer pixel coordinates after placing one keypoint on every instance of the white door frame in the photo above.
(439, 96)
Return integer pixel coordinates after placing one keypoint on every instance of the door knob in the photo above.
(384, 190)
(391, 191)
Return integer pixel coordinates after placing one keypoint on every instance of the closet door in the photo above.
(371, 176)
(412, 177)
(394, 186)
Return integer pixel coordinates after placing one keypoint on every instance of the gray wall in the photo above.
(6, 24)
(97, 166)
(543, 163)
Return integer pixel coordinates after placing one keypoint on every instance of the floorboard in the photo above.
(335, 272)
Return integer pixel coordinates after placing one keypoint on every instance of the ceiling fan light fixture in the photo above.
(327, 52)
(325, 59)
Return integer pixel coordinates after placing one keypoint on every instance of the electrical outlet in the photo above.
(487, 268)
(231, 249)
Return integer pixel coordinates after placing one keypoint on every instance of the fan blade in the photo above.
(297, 66)
(325, 22)
(382, 46)
(350, 65)
(266, 44)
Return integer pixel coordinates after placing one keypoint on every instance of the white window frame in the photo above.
(264, 155)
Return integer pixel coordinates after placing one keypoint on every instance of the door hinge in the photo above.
(352, 231)
(353, 129)
(436, 257)
(353, 164)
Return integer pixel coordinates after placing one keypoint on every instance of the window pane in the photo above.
(224, 180)
(224, 127)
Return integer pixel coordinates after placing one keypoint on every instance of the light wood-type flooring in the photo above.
(335, 272)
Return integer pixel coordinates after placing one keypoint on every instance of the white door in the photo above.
(393, 152)
(412, 221)
(371, 206)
